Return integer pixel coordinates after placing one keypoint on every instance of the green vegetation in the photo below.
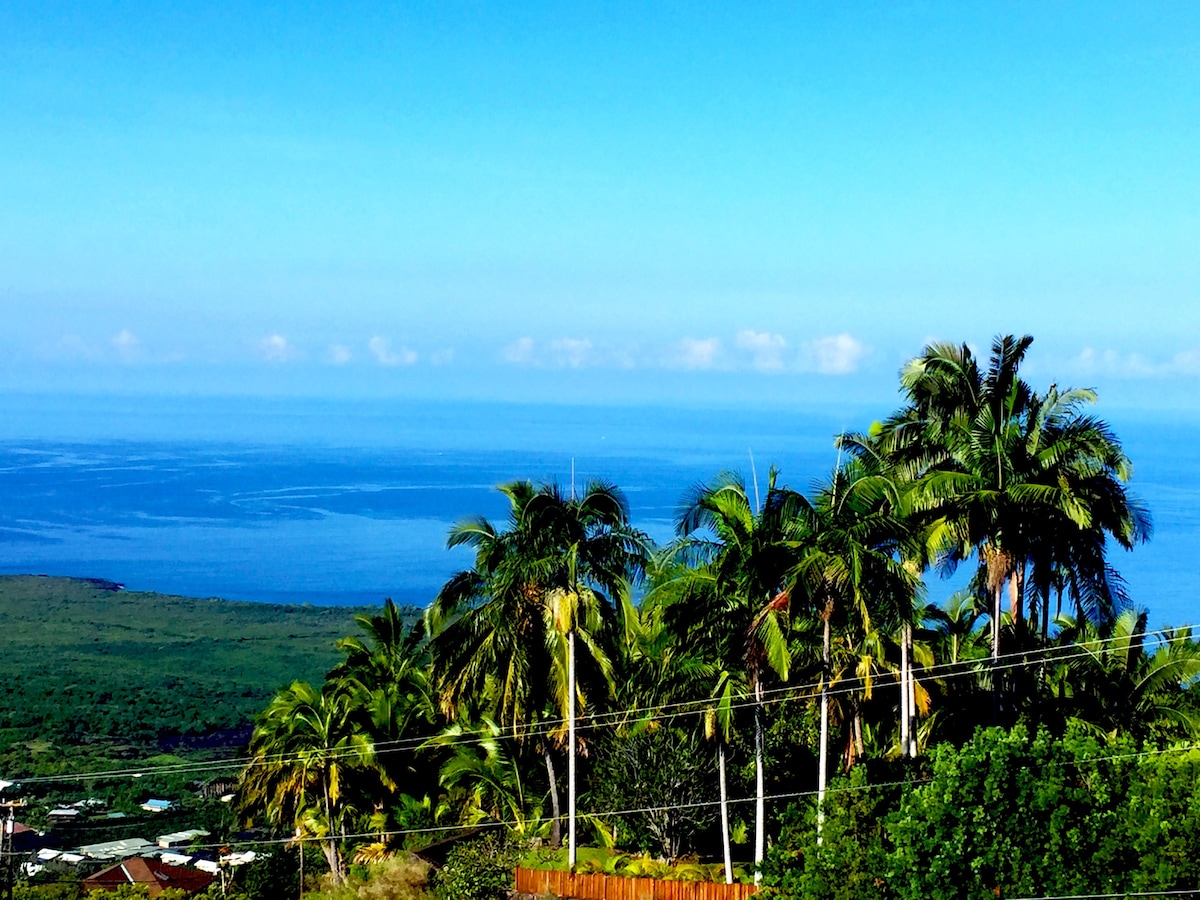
(96, 677)
(776, 675)
(1010, 813)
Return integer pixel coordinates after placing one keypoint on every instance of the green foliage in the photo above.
(55, 890)
(479, 869)
(671, 775)
(91, 670)
(1009, 814)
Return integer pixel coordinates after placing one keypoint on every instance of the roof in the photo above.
(157, 804)
(153, 873)
(181, 837)
(118, 849)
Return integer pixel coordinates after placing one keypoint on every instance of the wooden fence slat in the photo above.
(611, 887)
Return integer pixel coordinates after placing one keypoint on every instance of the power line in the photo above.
(546, 727)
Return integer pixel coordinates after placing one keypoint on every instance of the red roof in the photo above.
(153, 873)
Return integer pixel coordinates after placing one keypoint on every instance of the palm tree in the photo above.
(850, 570)
(733, 606)
(482, 778)
(387, 671)
(1007, 475)
(503, 632)
(1121, 685)
(305, 748)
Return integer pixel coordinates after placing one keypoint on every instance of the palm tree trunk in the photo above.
(332, 854)
(996, 605)
(905, 719)
(571, 748)
(725, 814)
(1016, 602)
(555, 821)
(760, 785)
(823, 746)
(912, 696)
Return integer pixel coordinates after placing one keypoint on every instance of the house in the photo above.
(154, 874)
(114, 850)
(64, 815)
(60, 862)
(156, 806)
(180, 838)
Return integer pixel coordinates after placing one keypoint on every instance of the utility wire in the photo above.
(546, 727)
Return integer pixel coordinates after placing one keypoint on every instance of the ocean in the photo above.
(335, 503)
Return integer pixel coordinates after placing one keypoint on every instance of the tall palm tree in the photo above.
(502, 632)
(1010, 477)
(851, 570)
(387, 669)
(733, 605)
(304, 751)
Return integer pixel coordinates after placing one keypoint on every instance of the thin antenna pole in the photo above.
(754, 476)
(572, 479)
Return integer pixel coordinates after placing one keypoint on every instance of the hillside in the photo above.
(86, 663)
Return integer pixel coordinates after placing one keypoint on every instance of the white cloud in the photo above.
(560, 353)
(442, 357)
(837, 354)
(277, 348)
(696, 353)
(338, 354)
(765, 349)
(127, 345)
(1110, 362)
(1186, 363)
(382, 348)
(571, 352)
(519, 352)
(1114, 363)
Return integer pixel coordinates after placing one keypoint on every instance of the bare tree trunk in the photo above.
(905, 719)
(571, 751)
(760, 786)
(333, 856)
(996, 605)
(556, 821)
(912, 695)
(1016, 602)
(823, 747)
(725, 814)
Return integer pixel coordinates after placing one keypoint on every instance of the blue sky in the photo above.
(751, 203)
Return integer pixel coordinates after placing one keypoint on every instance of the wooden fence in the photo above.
(612, 887)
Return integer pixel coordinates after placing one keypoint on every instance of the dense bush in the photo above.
(479, 869)
(1009, 814)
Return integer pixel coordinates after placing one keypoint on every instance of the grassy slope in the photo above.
(80, 662)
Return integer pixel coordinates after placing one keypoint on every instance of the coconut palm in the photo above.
(1118, 679)
(502, 632)
(306, 747)
(851, 573)
(1010, 477)
(386, 671)
(732, 605)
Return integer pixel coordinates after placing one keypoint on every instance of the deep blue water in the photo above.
(326, 503)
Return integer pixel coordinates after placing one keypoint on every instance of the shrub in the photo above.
(479, 869)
